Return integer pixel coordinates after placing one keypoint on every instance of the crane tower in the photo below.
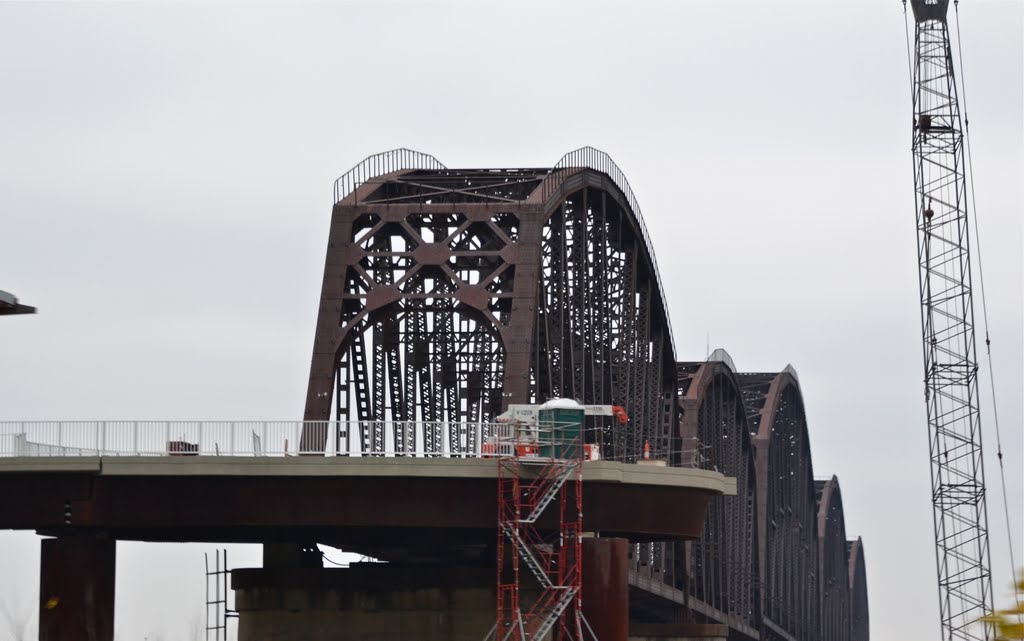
(947, 323)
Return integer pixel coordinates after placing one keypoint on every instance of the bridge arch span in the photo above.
(833, 565)
(450, 293)
(859, 620)
(787, 509)
(722, 566)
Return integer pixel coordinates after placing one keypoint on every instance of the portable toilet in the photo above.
(564, 418)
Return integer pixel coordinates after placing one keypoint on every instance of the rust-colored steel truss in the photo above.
(722, 565)
(833, 563)
(859, 629)
(772, 562)
(449, 294)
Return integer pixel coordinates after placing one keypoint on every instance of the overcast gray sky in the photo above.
(166, 175)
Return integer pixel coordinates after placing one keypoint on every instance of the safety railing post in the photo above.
(447, 439)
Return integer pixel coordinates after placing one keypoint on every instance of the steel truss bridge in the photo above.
(450, 293)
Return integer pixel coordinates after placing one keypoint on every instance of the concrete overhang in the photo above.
(346, 500)
(9, 305)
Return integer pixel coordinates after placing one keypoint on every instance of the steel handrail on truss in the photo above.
(379, 165)
(591, 158)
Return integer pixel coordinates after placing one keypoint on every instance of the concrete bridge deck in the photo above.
(365, 502)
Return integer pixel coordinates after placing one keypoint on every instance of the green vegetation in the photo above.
(1010, 622)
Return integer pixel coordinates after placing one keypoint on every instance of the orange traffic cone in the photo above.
(647, 450)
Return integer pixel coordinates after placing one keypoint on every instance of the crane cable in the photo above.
(984, 305)
(910, 58)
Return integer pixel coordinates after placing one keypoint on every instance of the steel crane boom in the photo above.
(947, 323)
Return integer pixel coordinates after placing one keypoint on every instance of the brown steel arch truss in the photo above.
(833, 567)
(859, 620)
(787, 511)
(722, 576)
(450, 293)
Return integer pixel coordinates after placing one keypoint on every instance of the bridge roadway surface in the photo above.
(366, 503)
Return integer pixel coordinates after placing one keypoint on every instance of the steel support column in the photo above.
(606, 588)
(76, 589)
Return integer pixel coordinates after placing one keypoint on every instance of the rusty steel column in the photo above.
(76, 590)
(606, 588)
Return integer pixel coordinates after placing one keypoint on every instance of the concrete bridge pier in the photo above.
(290, 599)
(76, 589)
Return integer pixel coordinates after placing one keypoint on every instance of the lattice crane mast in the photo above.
(947, 322)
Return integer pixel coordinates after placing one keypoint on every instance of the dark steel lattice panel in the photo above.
(859, 621)
(450, 293)
(833, 568)
(601, 336)
(947, 323)
(787, 532)
(723, 569)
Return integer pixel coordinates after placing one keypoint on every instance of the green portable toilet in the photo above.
(564, 417)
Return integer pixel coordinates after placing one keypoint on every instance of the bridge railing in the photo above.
(590, 158)
(238, 438)
(283, 438)
(379, 165)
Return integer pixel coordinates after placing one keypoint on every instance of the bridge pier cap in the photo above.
(925, 10)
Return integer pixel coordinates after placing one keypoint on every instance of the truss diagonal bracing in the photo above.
(947, 321)
(450, 293)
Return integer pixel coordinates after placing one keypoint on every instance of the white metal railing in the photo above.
(240, 438)
(311, 438)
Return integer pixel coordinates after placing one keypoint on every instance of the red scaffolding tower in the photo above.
(540, 516)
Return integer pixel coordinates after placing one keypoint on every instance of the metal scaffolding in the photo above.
(539, 477)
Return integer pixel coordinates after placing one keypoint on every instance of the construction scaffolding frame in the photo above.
(540, 467)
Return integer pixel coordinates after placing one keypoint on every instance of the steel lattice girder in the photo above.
(722, 564)
(833, 565)
(859, 620)
(947, 325)
(449, 294)
(787, 508)
(814, 587)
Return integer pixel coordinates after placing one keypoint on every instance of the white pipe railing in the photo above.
(305, 438)
(238, 438)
